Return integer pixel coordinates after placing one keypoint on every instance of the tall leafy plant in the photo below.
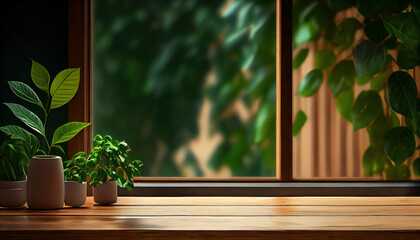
(391, 39)
(59, 92)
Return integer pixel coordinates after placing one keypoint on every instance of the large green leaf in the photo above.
(374, 160)
(300, 120)
(399, 144)
(25, 92)
(408, 56)
(402, 93)
(310, 83)
(26, 116)
(404, 26)
(367, 107)
(369, 57)
(64, 87)
(324, 58)
(376, 31)
(342, 35)
(341, 77)
(16, 132)
(67, 132)
(300, 58)
(345, 104)
(40, 76)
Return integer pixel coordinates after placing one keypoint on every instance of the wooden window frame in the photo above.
(80, 109)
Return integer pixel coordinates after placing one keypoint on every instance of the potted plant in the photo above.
(45, 172)
(75, 174)
(110, 165)
(13, 168)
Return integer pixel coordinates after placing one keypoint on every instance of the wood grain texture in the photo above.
(222, 218)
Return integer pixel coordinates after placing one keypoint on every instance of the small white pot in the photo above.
(75, 193)
(12, 194)
(105, 193)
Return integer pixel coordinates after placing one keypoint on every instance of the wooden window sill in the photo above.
(222, 218)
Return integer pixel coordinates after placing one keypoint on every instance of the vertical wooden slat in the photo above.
(284, 96)
(80, 55)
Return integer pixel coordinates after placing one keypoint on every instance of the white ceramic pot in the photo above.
(75, 193)
(105, 193)
(12, 193)
(45, 182)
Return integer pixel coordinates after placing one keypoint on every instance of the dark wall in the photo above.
(31, 30)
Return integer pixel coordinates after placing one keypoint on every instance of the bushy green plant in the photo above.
(110, 161)
(76, 169)
(391, 28)
(59, 92)
(14, 159)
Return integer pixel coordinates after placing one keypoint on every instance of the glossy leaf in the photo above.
(64, 87)
(376, 31)
(367, 107)
(345, 104)
(67, 132)
(40, 76)
(402, 93)
(341, 77)
(342, 35)
(300, 58)
(16, 132)
(408, 56)
(324, 58)
(369, 58)
(399, 144)
(25, 92)
(299, 122)
(27, 117)
(310, 83)
(404, 26)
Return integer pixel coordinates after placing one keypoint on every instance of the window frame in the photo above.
(80, 37)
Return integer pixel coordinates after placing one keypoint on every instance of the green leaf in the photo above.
(342, 36)
(324, 58)
(64, 87)
(25, 92)
(27, 117)
(67, 132)
(362, 80)
(40, 76)
(369, 8)
(341, 77)
(416, 167)
(399, 144)
(379, 81)
(374, 160)
(345, 104)
(378, 130)
(300, 120)
(300, 58)
(400, 172)
(376, 31)
(311, 83)
(402, 93)
(408, 56)
(404, 26)
(340, 5)
(367, 107)
(16, 132)
(59, 148)
(369, 57)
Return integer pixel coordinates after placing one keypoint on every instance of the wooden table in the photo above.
(222, 218)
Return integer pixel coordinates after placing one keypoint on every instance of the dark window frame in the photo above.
(80, 109)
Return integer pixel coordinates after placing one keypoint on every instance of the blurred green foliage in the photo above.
(151, 62)
(389, 27)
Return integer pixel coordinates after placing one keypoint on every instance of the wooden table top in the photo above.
(221, 217)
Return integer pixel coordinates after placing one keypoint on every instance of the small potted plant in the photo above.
(45, 172)
(110, 165)
(13, 168)
(75, 174)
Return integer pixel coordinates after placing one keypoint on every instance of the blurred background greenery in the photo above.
(190, 85)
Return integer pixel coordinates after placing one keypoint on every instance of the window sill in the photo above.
(222, 217)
